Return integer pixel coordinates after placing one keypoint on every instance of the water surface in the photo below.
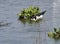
(36, 33)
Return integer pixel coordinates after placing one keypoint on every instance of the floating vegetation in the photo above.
(31, 14)
(28, 12)
(24, 21)
(55, 34)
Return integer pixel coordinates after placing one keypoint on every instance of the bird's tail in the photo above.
(42, 13)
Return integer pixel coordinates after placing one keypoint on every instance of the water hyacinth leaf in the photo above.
(29, 11)
(50, 34)
(55, 29)
(59, 29)
(55, 34)
(19, 14)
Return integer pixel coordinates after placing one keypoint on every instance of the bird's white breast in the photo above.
(39, 17)
(33, 19)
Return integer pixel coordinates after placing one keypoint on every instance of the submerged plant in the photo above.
(55, 34)
(29, 12)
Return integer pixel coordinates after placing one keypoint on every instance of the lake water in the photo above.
(14, 31)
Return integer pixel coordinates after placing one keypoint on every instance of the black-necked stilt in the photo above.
(33, 18)
(38, 16)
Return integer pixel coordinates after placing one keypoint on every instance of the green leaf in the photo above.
(55, 29)
(29, 11)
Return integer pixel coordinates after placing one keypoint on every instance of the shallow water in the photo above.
(36, 33)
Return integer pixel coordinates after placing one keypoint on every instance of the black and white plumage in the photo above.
(38, 16)
(33, 18)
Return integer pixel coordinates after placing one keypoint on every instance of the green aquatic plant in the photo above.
(24, 21)
(30, 11)
(55, 34)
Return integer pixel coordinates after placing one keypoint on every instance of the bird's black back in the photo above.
(33, 17)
